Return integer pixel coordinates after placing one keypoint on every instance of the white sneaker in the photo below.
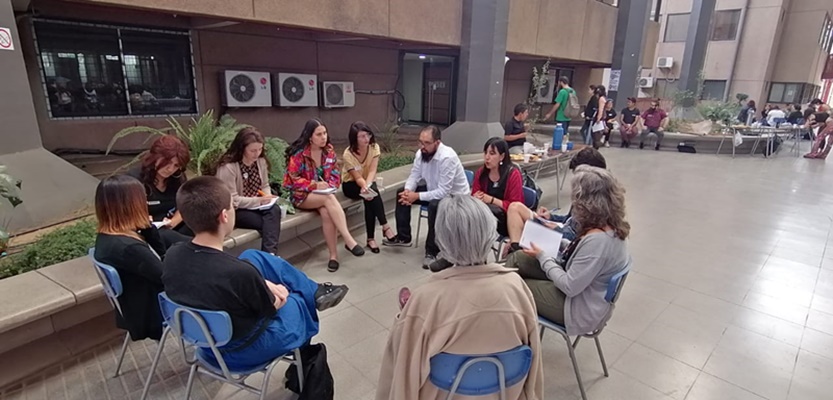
(607, 144)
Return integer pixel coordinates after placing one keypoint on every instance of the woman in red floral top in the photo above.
(311, 170)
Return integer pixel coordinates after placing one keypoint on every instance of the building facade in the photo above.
(772, 50)
(97, 66)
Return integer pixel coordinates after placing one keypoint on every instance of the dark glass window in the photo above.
(725, 25)
(676, 27)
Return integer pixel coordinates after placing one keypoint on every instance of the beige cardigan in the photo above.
(230, 175)
(462, 310)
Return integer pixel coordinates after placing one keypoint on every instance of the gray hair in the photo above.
(465, 230)
(598, 201)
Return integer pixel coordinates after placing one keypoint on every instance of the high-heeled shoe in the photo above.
(357, 250)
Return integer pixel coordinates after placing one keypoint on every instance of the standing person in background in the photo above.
(655, 121)
(747, 113)
(245, 171)
(609, 118)
(597, 125)
(589, 114)
(444, 176)
(162, 171)
(561, 100)
(629, 123)
(514, 130)
(361, 161)
(311, 166)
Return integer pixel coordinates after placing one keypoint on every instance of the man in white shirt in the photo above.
(444, 176)
(776, 115)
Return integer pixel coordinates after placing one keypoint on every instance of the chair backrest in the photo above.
(614, 285)
(110, 280)
(470, 177)
(530, 197)
(482, 378)
(201, 328)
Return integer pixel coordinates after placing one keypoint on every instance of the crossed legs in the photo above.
(333, 220)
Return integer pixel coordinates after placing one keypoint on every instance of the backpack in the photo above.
(573, 109)
(318, 380)
(530, 183)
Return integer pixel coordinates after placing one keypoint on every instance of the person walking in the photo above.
(561, 102)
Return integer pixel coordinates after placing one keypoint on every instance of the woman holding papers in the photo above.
(498, 183)
(361, 161)
(312, 178)
(573, 295)
(245, 171)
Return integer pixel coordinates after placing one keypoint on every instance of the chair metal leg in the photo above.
(575, 365)
(601, 355)
(121, 355)
(159, 349)
(299, 366)
(190, 383)
(542, 329)
(419, 224)
(720, 146)
(266, 375)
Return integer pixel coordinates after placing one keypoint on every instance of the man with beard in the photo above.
(655, 120)
(443, 173)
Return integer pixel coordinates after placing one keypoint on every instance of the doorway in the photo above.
(428, 85)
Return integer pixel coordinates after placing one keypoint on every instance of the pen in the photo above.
(261, 193)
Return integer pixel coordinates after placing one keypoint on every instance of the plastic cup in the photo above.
(380, 184)
(526, 157)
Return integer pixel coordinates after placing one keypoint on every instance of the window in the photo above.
(792, 92)
(676, 27)
(724, 25)
(656, 5)
(713, 90)
(87, 73)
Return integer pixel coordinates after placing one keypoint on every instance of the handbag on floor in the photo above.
(318, 380)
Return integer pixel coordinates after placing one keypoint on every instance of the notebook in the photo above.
(546, 239)
(325, 191)
(266, 206)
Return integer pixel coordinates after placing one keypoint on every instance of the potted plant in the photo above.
(10, 193)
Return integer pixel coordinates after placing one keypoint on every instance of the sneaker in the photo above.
(641, 145)
(395, 242)
(328, 295)
(439, 265)
(428, 260)
(607, 144)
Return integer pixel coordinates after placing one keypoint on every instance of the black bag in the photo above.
(318, 381)
(686, 148)
(530, 183)
(776, 143)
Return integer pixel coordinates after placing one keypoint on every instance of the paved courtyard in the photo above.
(731, 296)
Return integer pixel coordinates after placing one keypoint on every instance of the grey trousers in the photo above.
(648, 131)
(549, 300)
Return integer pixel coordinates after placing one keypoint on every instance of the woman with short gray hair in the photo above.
(470, 308)
(573, 295)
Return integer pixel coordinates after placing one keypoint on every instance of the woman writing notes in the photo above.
(245, 172)
(312, 177)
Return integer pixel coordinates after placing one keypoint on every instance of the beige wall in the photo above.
(649, 48)
(801, 63)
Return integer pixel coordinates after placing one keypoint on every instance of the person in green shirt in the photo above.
(560, 105)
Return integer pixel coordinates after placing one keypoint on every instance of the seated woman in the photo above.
(573, 295)
(162, 171)
(311, 167)
(361, 161)
(498, 183)
(245, 171)
(128, 242)
(518, 214)
(470, 308)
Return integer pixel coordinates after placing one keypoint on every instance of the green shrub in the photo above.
(60, 245)
(392, 160)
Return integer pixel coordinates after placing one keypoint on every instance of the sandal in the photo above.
(385, 233)
(374, 250)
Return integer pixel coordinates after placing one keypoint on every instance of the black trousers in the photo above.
(403, 221)
(267, 222)
(373, 209)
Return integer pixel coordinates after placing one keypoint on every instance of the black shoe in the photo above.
(439, 265)
(513, 247)
(622, 145)
(627, 145)
(395, 242)
(328, 295)
(374, 250)
(641, 145)
(357, 250)
(332, 266)
(428, 260)
(657, 148)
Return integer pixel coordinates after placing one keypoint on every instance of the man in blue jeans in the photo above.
(273, 306)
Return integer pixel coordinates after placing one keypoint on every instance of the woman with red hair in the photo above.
(162, 171)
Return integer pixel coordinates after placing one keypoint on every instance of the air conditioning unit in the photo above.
(646, 82)
(545, 93)
(247, 89)
(665, 62)
(338, 94)
(297, 90)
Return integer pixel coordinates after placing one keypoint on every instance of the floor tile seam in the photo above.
(646, 383)
(730, 383)
(802, 348)
(101, 375)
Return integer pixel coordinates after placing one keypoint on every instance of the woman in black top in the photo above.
(609, 117)
(590, 115)
(128, 242)
(162, 171)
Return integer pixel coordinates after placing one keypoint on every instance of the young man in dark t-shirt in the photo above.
(514, 130)
(629, 122)
(272, 304)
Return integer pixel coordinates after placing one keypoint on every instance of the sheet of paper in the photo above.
(369, 195)
(268, 205)
(325, 191)
(159, 224)
(545, 238)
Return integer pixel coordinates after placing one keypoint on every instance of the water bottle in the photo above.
(557, 137)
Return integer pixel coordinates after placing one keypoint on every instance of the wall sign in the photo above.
(6, 42)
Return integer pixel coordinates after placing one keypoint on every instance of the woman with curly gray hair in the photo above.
(573, 295)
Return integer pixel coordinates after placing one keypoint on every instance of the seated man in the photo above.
(272, 305)
(776, 116)
(518, 214)
(443, 173)
(655, 119)
(514, 130)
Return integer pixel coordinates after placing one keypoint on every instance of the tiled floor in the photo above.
(731, 296)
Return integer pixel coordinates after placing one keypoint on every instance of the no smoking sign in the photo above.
(6, 42)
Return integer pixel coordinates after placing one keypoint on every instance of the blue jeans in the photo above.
(291, 327)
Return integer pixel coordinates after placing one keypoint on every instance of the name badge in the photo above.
(329, 160)
(154, 203)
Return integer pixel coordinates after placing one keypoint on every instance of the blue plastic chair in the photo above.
(480, 375)
(111, 282)
(470, 177)
(530, 197)
(210, 330)
(614, 288)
